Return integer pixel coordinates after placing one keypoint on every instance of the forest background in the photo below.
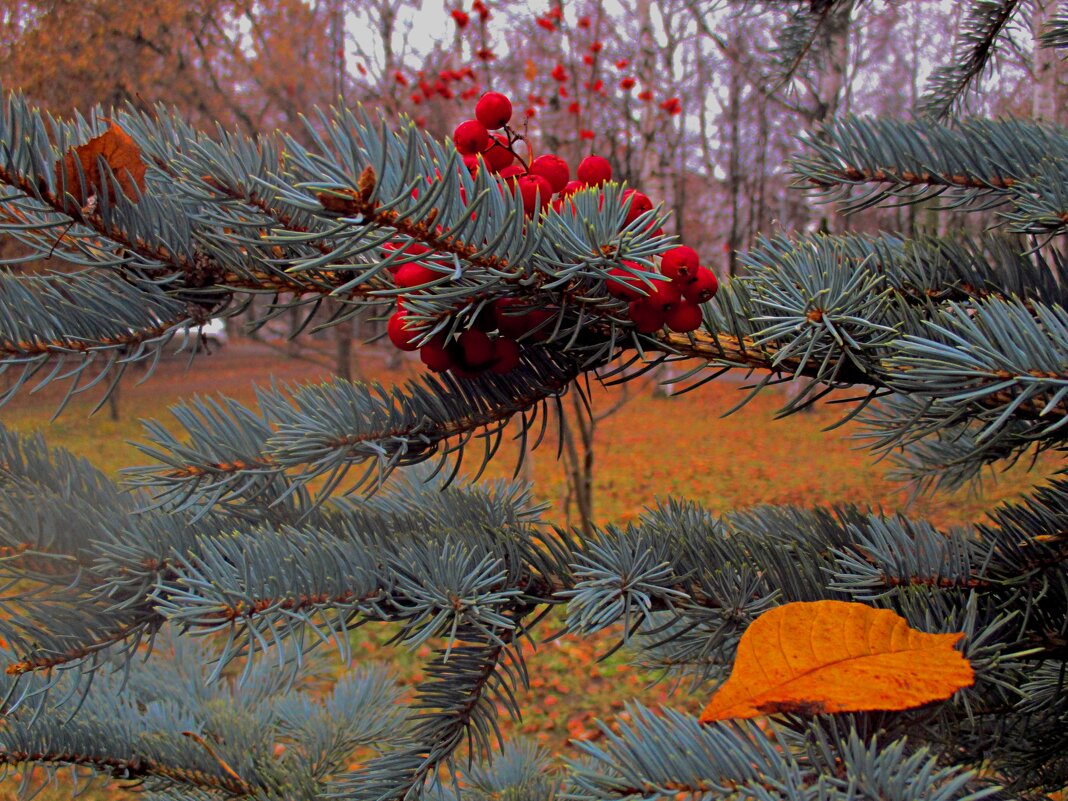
(683, 96)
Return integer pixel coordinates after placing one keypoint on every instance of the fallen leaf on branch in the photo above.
(122, 156)
(833, 656)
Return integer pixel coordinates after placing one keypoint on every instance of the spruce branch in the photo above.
(865, 161)
(456, 704)
(985, 23)
(229, 455)
(656, 754)
(1055, 32)
(135, 769)
(800, 39)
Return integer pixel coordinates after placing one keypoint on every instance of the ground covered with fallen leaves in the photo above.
(652, 447)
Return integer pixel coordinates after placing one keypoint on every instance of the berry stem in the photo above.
(514, 137)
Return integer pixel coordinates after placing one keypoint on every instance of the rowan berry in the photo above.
(505, 355)
(623, 284)
(646, 317)
(594, 170)
(553, 169)
(414, 248)
(471, 163)
(663, 295)
(704, 286)
(436, 356)
(536, 192)
(470, 136)
(412, 275)
(476, 347)
(680, 264)
(639, 204)
(512, 174)
(402, 337)
(493, 110)
(498, 156)
(684, 316)
(571, 188)
(515, 318)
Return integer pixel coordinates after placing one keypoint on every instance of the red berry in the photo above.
(625, 285)
(553, 169)
(493, 110)
(470, 136)
(639, 204)
(664, 295)
(498, 156)
(436, 356)
(511, 173)
(403, 338)
(515, 318)
(572, 187)
(684, 317)
(536, 192)
(411, 275)
(560, 203)
(646, 318)
(471, 163)
(594, 170)
(476, 347)
(680, 264)
(704, 286)
(508, 312)
(505, 355)
(414, 248)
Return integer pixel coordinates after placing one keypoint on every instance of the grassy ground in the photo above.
(653, 446)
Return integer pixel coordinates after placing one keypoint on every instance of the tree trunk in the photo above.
(1049, 100)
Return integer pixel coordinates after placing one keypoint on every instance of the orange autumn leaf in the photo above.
(833, 656)
(122, 156)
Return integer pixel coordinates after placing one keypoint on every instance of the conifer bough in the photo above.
(961, 344)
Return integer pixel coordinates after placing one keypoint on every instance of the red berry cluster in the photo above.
(544, 180)
(490, 342)
(675, 303)
(443, 85)
(489, 345)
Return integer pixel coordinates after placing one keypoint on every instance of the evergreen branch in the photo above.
(151, 255)
(1040, 204)
(800, 37)
(92, 643)
(521, 772)
(98, 312)
(1055, 32)
(456, 703)
(985, 21)
(162, 724)
(865, 161)
(227, 454)
(672, 753)
(135, 768)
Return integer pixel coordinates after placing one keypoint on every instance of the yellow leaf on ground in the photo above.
(834, 656)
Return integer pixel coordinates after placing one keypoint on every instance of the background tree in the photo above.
(239, 533)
